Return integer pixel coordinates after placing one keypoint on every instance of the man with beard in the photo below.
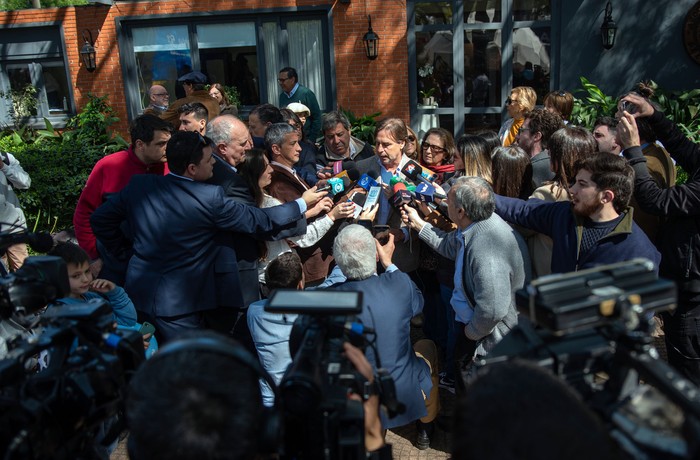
(596, 227)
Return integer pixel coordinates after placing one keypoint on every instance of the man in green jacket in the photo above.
(292, 91)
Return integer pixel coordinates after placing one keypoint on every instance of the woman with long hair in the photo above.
(257, 172)
(218, 92)
(411, 149)
(437, 152)
(473, 157)
(511, 172)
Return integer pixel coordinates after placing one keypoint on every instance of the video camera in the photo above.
(61, 385)
(592, 328)
(315, 387)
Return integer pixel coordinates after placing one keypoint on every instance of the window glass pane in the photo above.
(531, 66)
(482, 68)
(56, 85)
(473, 123)
(228, 55)
(434, 59)
(306, 55)
(433, 13)
(532, 10)
(162, 55)
(273, 59)
(20, 78)
(482, 11)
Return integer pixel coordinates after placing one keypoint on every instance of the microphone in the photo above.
(425, 193)
(414, 171)
(366, 181)
(336, 185)
(401, 195)
(340, 166)
(40, 241)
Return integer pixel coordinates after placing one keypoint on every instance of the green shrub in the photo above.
(363, 127)
(59, 163)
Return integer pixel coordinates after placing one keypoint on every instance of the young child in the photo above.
(83, 287)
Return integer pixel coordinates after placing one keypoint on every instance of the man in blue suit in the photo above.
(174, 219)
(390, 301)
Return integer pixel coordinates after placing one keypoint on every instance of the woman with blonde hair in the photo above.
(473, 157)
(522, 99)
(411, 149)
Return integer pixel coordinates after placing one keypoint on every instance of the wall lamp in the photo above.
(608, 30)
(371, 42)
(87, 52)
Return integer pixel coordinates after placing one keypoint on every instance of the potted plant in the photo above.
(426, 73)
(427, 96)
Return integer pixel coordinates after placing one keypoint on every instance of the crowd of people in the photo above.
(205, 215)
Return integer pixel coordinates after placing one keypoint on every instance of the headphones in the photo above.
(270, 428)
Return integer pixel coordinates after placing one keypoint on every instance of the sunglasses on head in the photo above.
(509, 101)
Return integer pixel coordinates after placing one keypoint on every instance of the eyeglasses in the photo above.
(437, 150)
(161, 94)
(411, 139)
(520, 130)
(509, 101)
(282, 80)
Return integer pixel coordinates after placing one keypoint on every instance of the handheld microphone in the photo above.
(401, 195)
(425, 193)
(40, 241)
(367, 182)
(414, 171)
(336, 184)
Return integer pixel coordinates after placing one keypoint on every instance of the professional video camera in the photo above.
(64, 373)
(316, 385)
(593, 329)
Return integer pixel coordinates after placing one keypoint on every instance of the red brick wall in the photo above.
(363, 86)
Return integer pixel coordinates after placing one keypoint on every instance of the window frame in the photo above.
(281, 16)
(37, 121)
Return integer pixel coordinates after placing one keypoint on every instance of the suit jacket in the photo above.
(390, 301)
(239, 252)
(407, 253)
(317, 258)
(541, 171)
(173, 221)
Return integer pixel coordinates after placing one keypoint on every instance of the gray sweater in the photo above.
(496, 265)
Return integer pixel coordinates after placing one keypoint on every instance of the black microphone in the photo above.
(40, 241)
(401, 195)
(414, 171)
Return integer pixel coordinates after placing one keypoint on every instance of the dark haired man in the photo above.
(171, 276)
(293, 91)
(533, 135)
(605, 134)
(194, 84)
(260, 118)
(146, 155)
(338, 144)
(193, 117)
(596, 227)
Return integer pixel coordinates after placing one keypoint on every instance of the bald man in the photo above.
(159, 99)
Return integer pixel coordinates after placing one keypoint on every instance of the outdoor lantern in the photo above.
(371, 39)
(87, 53)
(608, 30)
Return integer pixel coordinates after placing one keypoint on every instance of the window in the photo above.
(240, 50)
(33, 76)
(464, 81)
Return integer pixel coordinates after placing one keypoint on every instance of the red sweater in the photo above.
(110, 175)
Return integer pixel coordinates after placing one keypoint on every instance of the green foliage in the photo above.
(59, 163)
(11, 5)
(363, 127)
(593, 104)
(23, 102)
(232, 94)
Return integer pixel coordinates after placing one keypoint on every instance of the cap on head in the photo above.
(298, 107)
(193, 77)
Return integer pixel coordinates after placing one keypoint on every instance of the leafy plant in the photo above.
(426, 93)
(23, 104)
(592, 105)
(363, 127)
(60, 162)
(232, 94)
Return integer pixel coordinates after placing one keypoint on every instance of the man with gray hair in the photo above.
(491, 264)
(338, 144)
(390, 301)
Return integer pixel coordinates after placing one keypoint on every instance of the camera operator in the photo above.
(200, 398)
(11, 214)
(678, 234)
(393, 299)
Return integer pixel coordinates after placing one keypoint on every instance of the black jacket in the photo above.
(679, 238)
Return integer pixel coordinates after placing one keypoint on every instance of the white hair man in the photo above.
(491, 264)
(393, 299)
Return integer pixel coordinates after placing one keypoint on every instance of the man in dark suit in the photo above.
(390, 301)
(231, 140)
(282, 144)
(171, 276)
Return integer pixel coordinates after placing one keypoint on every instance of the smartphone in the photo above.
(147, 328)
(629, 107)
(377, 230)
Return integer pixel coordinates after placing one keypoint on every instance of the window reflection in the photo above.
(433, 13)
(532, 10)
(434, 58)
(482, 11)
(482, 68)
(475, 123)
(531, 66)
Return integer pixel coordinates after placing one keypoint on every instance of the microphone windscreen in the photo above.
(399, 186)
(353, 174)
(373, 174)
(41, 242)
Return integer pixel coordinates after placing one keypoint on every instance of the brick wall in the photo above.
(363, 86)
